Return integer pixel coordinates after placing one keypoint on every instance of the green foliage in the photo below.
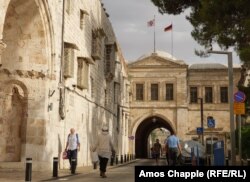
(225, 22)
(245, 139)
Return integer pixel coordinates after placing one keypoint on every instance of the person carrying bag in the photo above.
(72, 147)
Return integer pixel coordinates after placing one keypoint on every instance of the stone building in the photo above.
(166, 93)
(60, 68)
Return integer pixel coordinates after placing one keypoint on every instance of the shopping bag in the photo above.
(65, 155)
(94, 157)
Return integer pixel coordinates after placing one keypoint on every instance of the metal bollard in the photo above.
(73, 166)
(55, 167)
(116, 159)
(125, 158)
(227, 161)
(95, 165)
(28, 171)
(112, 160)
(121, 159)
(242, 162)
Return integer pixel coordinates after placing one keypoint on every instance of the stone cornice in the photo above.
(25, 74)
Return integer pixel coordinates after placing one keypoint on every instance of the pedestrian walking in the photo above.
(72, 147)
(157, 150)
(173, 146)
(105, 148)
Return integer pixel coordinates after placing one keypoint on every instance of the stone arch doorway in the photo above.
(143, 131)
(13, 121)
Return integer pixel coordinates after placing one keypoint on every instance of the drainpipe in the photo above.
(61, 82)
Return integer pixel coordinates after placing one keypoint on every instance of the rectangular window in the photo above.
(96, 46)
(92, 85)
(139, 91)
(82, 73)
(208, 94)
(81, 19)
(193, 95)
(224, 95)
(169, 92)
(108, 51)
(116, 92)
(154, 92)
(68, 62)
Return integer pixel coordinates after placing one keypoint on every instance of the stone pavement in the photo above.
(9, 175)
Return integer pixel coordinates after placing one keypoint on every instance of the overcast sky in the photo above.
(129, 19)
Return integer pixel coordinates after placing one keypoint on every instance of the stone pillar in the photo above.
(2, 47)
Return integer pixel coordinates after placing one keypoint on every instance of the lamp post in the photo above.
(230, 90)
(202, 125)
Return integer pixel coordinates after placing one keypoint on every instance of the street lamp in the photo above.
(230, 76)
(202, 125)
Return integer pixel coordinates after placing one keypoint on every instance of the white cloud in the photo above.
(129, 19)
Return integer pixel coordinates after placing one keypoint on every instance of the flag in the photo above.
(151, 23)
(168, 28)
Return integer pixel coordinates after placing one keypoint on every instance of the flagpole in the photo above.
(154, 33)
(172, 42)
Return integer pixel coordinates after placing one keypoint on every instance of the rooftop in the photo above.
(207, 66)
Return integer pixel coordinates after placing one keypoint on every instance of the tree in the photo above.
(225, 22)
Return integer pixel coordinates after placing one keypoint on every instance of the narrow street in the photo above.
(118, 174)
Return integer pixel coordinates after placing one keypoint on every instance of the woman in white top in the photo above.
(104, 147)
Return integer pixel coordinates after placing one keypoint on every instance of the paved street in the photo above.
(121, 173)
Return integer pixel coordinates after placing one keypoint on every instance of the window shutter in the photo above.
(68, 62)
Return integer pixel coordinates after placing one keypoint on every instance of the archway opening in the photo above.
(144, 130)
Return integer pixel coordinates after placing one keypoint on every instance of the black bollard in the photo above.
(73, 166)
(112, 160)
(125, 158)
(248, 162)
(227, 161)
(95, 165)
(28, 171)
(209, 161)
(55, 167)
(116, 159)
(121, 159)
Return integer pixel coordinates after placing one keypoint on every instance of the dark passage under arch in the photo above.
(143, 131)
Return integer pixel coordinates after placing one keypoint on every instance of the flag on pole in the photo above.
(151, 23)
(168, 28)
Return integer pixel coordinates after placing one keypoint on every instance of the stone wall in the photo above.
(33, 87)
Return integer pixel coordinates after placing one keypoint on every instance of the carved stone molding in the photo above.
(24, 73)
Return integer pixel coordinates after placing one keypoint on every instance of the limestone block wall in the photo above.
(219, 111)
(31, 69)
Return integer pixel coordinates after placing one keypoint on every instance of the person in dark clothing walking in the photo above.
(157, 150)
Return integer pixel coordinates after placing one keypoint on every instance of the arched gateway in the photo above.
(143, 131)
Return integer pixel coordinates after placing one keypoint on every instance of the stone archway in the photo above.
(13, 121)
(143, 131)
